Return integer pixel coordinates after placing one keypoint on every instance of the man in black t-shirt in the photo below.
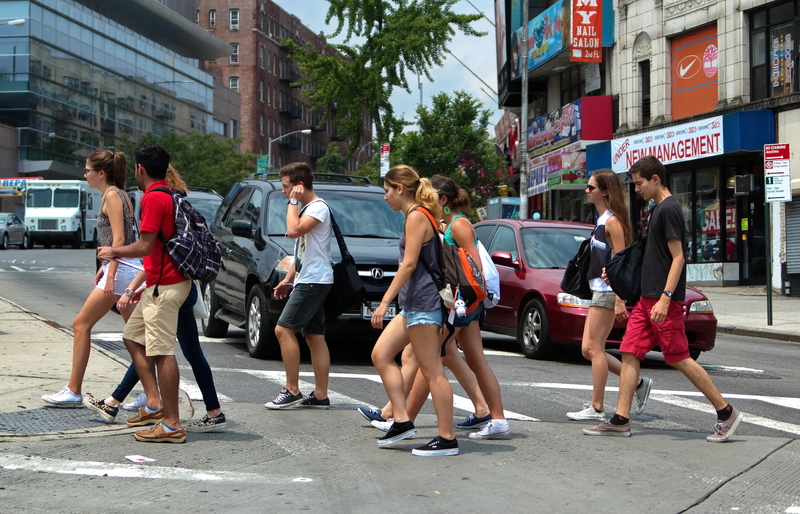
(657, 318)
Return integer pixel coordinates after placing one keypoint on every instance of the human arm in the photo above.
(418, 230)
(281, 290)
(133, 292)
(659, 311)
(616, 235)
(295, 225)
(141, 248)
(112, 207)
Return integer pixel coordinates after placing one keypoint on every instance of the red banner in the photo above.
(587, 31)
(712, 224)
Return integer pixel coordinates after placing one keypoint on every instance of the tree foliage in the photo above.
(333, 161)
(394, 37)
(453, 140)
(201, 160)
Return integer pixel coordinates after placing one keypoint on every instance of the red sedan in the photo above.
(531, 256)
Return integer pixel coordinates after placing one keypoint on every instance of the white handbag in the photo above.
(491, 276)
(200, 309)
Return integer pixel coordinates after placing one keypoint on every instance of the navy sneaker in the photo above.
(473, 422)
(313, 402)
(284, 400)
(439, 446)
(371, 413)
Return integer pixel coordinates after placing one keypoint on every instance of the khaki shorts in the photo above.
(154, 322)
(603, 299)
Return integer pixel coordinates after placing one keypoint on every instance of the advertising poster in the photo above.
(515, 48)
(782, 59)
(500, 30)
(545, 34)
(555, 130)
(15, 186)
(587, 31)
(516, 14)
(695, 77)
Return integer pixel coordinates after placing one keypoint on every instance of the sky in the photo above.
(476, 52)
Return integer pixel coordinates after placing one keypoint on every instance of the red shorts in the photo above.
(642, 335)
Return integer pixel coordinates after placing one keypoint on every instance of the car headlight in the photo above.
(568, 300)
(285, 263)
(703, 306)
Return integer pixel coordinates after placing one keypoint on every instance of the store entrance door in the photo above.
(751, 247)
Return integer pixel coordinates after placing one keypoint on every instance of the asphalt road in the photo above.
(759, 376)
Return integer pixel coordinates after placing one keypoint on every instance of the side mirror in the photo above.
(242, 228)
(505, 259)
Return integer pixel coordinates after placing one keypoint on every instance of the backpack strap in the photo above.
(171, 193)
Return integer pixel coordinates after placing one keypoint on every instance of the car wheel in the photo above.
(93, 242)
(76, 240)
(25, 243)
(533, 332)
(261, 339)
(212, 327)
(4, 243)
(695, 354)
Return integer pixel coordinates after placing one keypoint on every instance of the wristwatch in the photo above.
(129, 292)
(668, 293)
(293, 201)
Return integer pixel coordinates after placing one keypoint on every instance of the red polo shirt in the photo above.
(158, 217)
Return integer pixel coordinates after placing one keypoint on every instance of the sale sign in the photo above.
(587, 31)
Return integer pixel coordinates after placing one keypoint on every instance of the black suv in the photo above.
(256, 254)
(204, 199)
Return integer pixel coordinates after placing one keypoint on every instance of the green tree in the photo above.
(453, 140)
(201, 160)
(333, 161)
(395, 37)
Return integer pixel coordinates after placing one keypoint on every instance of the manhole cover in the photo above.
(49, 419)
(110, 345)
(739, 374)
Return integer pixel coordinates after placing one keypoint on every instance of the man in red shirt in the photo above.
(150, 332)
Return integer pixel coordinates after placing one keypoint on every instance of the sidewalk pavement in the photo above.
(296, 462)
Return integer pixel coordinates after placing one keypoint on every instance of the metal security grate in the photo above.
(47, 419)
(109, 345)
(48, 224)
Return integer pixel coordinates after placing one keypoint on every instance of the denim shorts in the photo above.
(464, 321)
(304, 312)
(423, 317)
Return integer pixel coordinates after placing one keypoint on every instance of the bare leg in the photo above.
(409, 370)
(472, 344)
(426, 340)
(321, 362)
(168, 380)
(599, 322)
(699, 377)
(290, 353)
(465, 376)
(418, 396)
(94, 308)
(391, 341)
(145, 368)
(628, 380)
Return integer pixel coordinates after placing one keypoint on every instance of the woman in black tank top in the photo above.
(420, 321)
(612, 234)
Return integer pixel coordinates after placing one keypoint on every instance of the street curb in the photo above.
(763, 334)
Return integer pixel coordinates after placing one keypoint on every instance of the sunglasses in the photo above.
(591, 187)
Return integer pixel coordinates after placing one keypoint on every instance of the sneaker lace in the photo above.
(719, 428)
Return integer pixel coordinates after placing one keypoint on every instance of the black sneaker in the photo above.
(284, 400)
(312, 402)
(207, 424)
(107, 412)
(437, 447)
(398, 432)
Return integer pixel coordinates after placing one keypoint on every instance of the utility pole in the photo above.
(523, 129)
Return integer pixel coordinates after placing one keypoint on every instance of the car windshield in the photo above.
(65, 197)
(3, 218)
(358, 214)
(552, 247)
(206, 206)
(39, 198)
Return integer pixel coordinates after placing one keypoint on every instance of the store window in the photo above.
(773, 59)
(710, 243)
(680, 185)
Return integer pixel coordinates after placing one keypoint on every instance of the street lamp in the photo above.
(14, 23)
(362, 149)
(269, 145)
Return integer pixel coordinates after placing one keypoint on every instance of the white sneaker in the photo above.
(140, 401)
(588, 413)
(384, 426)
(494, 429)
(64, 398)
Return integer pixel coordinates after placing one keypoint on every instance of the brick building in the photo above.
(261, 70)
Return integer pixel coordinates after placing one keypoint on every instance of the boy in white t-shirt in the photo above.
(312, 276)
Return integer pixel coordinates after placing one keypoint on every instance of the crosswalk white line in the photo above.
(108, 469)
(191, 388)
(18, 268)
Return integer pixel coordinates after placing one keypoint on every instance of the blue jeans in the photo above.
(189, 340)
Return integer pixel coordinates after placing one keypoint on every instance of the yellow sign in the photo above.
(745, 224)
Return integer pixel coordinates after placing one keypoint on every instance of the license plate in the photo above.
(367, 308)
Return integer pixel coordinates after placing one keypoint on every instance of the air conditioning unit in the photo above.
(742, 185)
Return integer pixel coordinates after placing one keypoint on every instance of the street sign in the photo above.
(384, 159)
(262, 164)
(777, 173)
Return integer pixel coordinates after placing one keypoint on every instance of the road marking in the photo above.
(191, 388)
(713, 367)
(459, 402)
(18, 268)
(107, 469)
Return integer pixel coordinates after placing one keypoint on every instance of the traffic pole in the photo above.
(767, 229)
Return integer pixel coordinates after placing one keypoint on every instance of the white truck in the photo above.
(59, 212)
